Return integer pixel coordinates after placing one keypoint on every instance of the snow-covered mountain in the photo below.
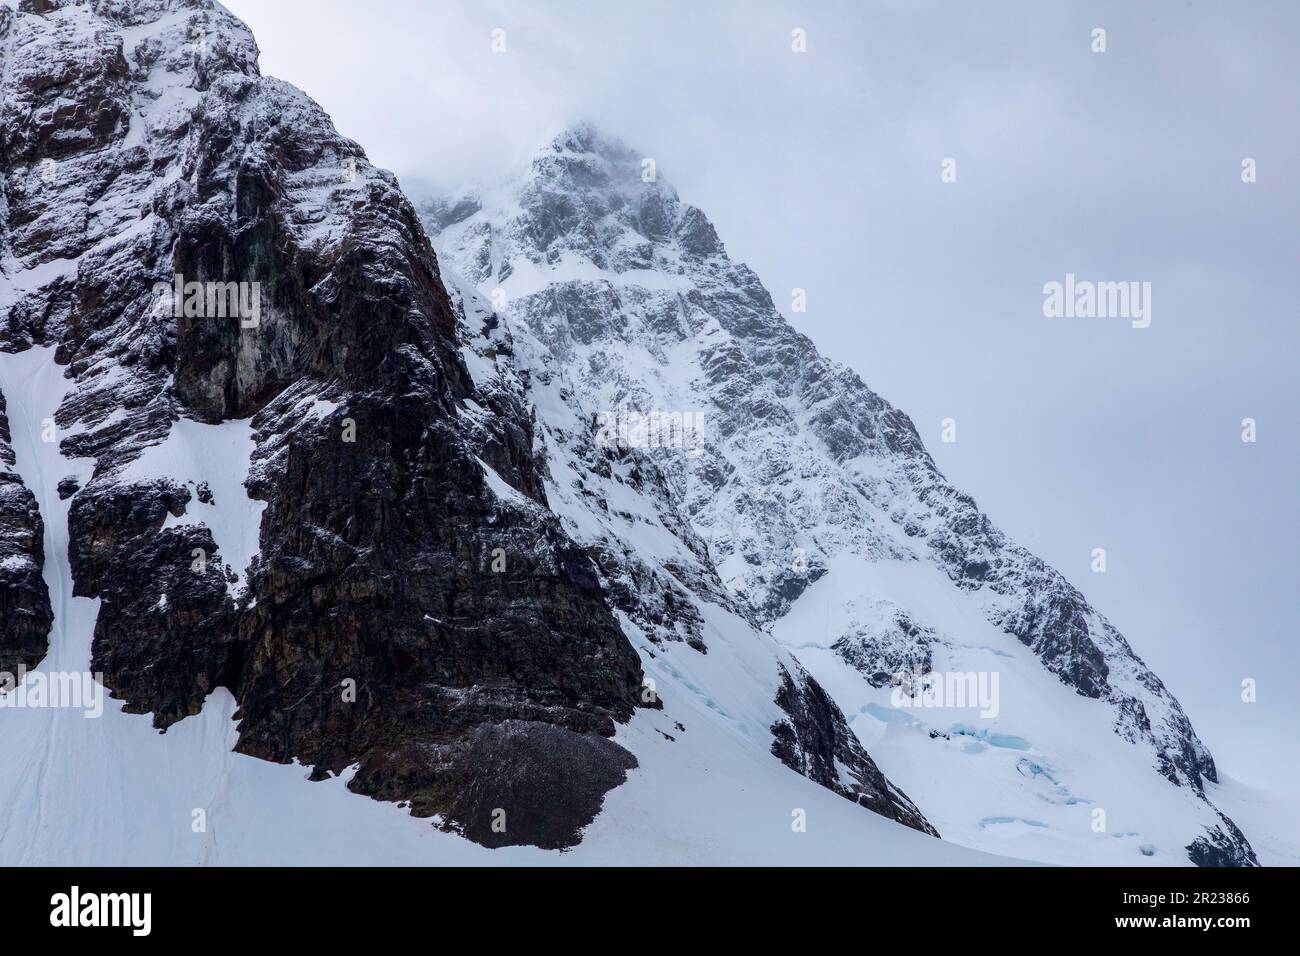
(563, 539)
(808, 507)
(336, 529)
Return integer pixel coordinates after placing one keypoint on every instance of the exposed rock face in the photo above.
(25, 614)
(138, 143)
(816, 742)
(526, 776)
(1222, 845)
(892, 645)
(637, 306)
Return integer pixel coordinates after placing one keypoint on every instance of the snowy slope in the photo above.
(826, 523)
(1032, 776)
(1272, 819)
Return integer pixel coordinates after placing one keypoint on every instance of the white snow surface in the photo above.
(1030, 777)
(195, 454)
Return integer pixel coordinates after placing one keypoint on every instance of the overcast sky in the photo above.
(822, 171)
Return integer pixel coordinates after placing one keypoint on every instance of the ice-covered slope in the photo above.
(1271, 818)
(319, 533)
(815, 506)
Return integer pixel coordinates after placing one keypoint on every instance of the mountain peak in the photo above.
(586, 196)
(584, 137)
(582, 158)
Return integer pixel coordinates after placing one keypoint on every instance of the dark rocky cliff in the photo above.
(372, 630)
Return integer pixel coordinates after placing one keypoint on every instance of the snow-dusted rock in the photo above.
(283, 500)
(821, 515)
